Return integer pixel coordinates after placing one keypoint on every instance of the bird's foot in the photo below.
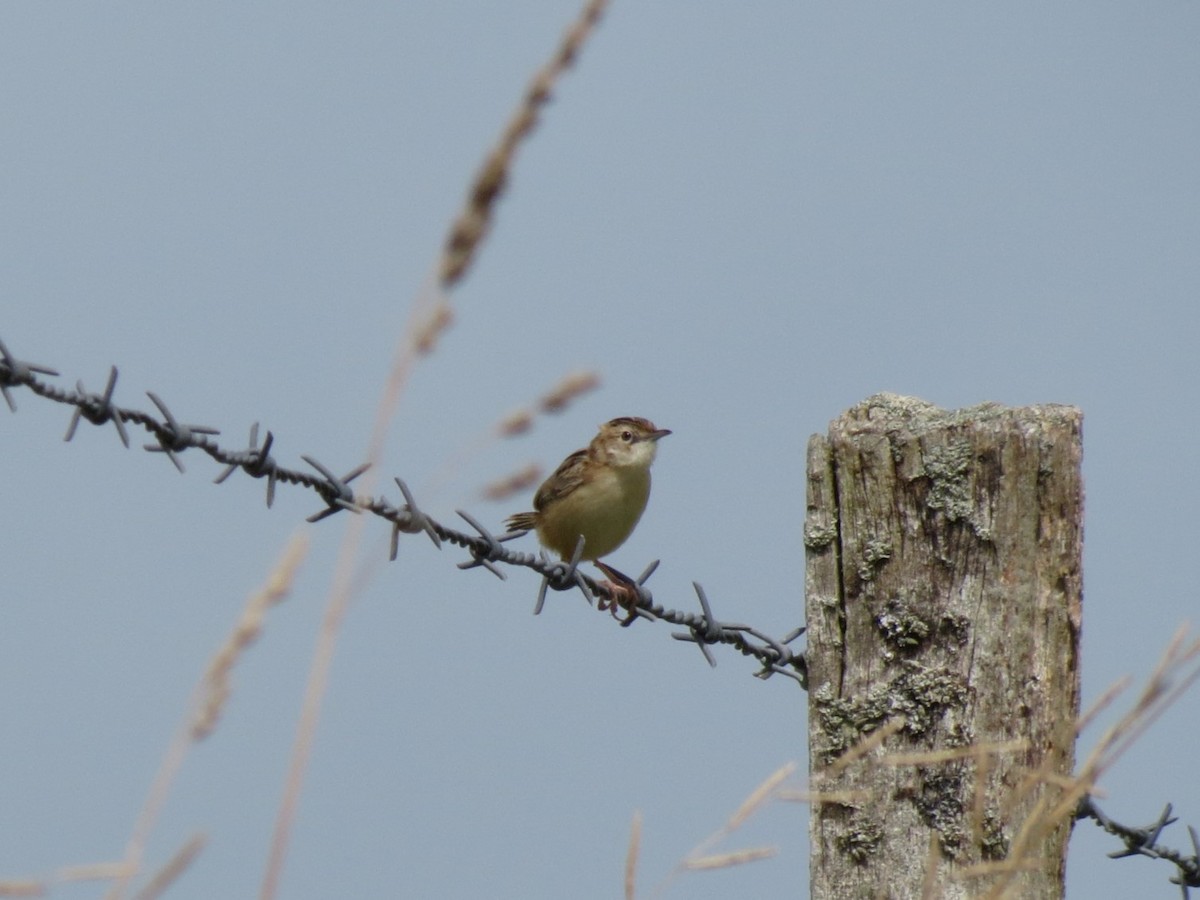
(623, 593)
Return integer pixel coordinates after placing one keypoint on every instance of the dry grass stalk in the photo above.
(1177, 670)
(1106, 699)
(1170, 679)
(932, 757)
(1165, 685)
(982, 754)
(430, 318)
(216, 684)
(929, 883)
(841, 798)
(514, 424)
(176, 866)
(95, 872)
(977, 814)
(517, 423)
(23, 889)
(631, 856)
(699, 858)
(568, 390)
(211, 694)
(340, 594)
(439, 318)
(1031, 781)
(521, 422)
(521, 480)
(760, 796)
(734, 858)
(472, 224)
(1005, 869)
(862, 748)
(1066, 782)
(431, 315)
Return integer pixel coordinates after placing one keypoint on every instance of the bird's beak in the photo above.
(656, 435)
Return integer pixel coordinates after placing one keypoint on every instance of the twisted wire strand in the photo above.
(173, 437)
(1143, 841)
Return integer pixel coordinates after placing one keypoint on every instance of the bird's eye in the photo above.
(627, 436)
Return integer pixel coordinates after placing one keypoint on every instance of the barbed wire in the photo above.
(173, 437)
(1143, 841)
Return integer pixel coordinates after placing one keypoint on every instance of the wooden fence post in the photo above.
(943, 602)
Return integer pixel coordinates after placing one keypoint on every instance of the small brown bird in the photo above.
(598, 493)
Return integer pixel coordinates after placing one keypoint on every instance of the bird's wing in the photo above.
(567, 477)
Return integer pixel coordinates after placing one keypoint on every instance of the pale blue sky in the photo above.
(745, 217)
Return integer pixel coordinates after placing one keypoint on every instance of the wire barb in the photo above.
(336, 491)
(98, 409)
(485, 550)
(173, 437)
(1143, 841)
(14, 373)
(256, 462)
(562, 576)
(703, 631)
(415, 521)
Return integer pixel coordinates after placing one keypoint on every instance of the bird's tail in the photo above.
(525, 521)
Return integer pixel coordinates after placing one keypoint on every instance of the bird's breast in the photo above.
(604, 510)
